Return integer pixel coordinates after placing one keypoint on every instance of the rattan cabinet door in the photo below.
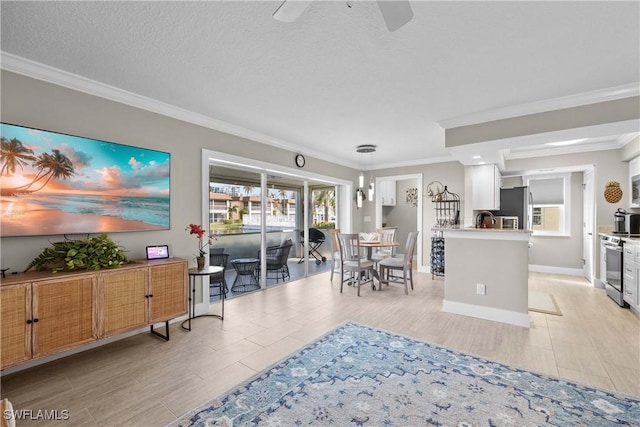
(168, 287)
(15, 311)
(123, 300)
(63, 314)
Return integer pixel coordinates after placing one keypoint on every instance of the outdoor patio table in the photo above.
(245, 274)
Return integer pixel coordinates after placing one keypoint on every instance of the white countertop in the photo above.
(482, 230)
(485, 233)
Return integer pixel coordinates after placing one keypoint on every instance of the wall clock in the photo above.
(300, 160)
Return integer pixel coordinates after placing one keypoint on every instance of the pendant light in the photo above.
(360, 196)
(366, 148)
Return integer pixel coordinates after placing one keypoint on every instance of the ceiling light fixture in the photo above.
(476, 157)
(569, 142)
(365, 148)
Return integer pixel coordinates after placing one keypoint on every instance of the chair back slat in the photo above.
(349, 246)
(410, 247)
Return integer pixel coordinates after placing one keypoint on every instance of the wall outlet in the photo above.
(481, 289)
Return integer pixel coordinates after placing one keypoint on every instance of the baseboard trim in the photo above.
(556, 270)
(487, 313)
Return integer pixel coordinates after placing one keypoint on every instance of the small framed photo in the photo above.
(158, 252)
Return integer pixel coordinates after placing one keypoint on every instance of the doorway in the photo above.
(254, 204)
(399, 205)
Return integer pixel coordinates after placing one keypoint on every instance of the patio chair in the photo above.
(351, 261)
(405, 264)
(277, 257)
(217, 257)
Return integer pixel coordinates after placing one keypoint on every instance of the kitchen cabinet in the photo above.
(44, 317)
(44, 313)
(485, 185)
(631, 275)
(387, 193)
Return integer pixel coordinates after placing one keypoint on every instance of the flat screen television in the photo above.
(52, 183)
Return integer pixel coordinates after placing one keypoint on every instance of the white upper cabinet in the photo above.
(387, 193)
(485, 184)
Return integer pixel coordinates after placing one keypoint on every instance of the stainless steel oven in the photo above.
(613, 277)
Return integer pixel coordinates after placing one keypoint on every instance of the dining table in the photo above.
(369, 245)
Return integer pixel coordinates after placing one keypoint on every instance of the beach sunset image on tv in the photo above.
(52, 183)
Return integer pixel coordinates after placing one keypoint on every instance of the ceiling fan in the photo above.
(395, 13)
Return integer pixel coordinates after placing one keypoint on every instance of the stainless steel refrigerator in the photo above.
(516, 201)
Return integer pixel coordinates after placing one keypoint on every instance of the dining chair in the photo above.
(335, 251)
(405, 264)
(387, 235)
(351, 261)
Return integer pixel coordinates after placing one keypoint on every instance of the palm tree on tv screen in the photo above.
(13, 153)
(52, 166)
(49, 166)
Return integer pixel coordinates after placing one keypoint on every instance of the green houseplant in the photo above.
(91, 253)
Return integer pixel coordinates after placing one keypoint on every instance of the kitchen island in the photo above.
(487, 273)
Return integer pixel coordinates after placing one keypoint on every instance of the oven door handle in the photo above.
(613, 247)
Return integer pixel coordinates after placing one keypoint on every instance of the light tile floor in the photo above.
(144, 381)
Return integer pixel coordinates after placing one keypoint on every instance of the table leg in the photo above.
(222, 298)
(191, 305)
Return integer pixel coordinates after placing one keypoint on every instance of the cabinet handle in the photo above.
(35, 320)
(29, 321)
(150, 295)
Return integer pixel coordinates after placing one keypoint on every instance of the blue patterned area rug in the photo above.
(360, 376)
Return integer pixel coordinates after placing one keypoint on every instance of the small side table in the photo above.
(193, 273)
(245, 280)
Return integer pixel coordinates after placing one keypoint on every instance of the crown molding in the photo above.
(417, 162)
(46, 73)
(586, 98)
(625, 139)
(570, 149)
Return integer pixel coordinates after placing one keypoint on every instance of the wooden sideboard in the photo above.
(44, 313)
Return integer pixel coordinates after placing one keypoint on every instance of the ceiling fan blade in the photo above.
(395, 13)
(290, 10)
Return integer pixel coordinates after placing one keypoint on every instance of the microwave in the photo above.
(635, 191)
(508, 222)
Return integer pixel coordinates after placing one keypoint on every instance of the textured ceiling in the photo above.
(336, 77)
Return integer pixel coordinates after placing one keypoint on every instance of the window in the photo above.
(324, 207)
(551, 204)
(236, 208)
